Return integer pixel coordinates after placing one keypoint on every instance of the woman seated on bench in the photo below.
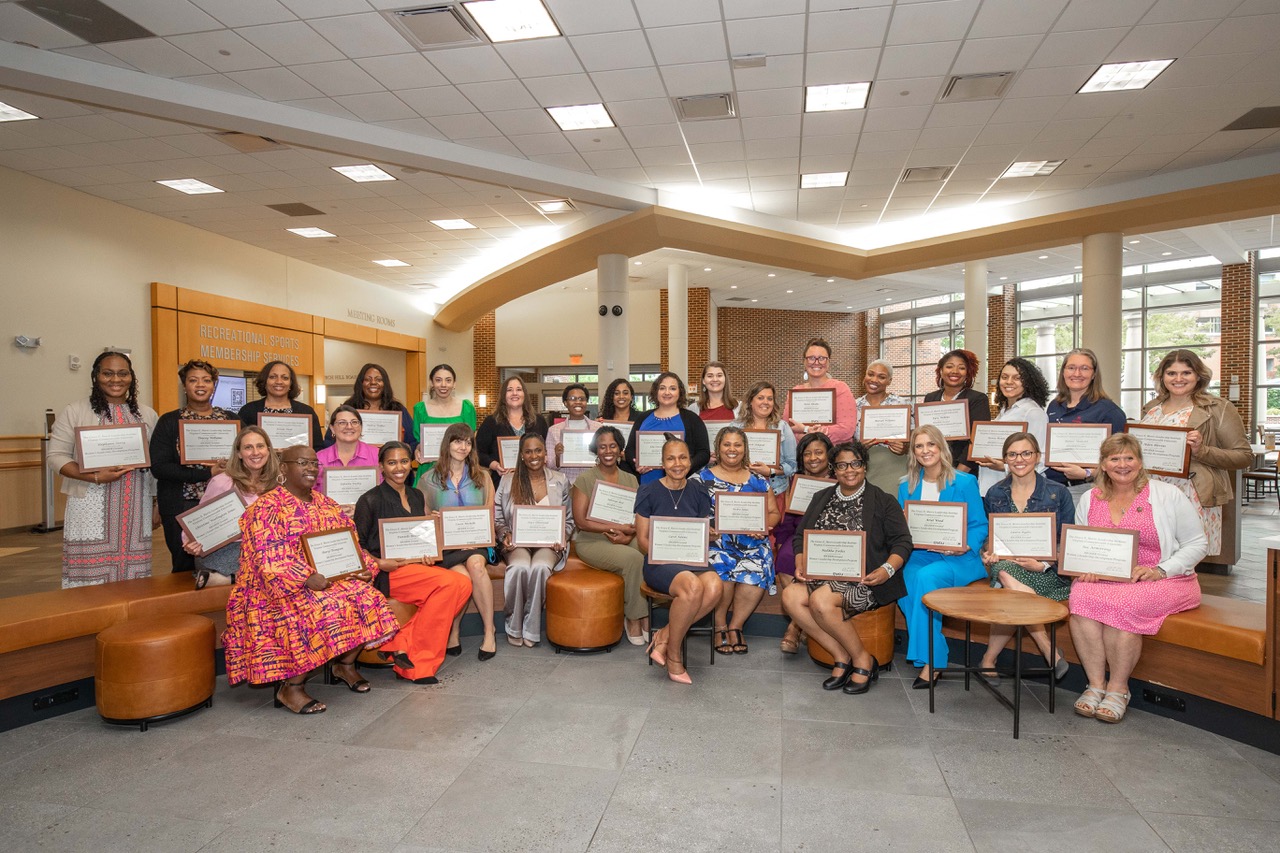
(284, 618)
(1109, 619)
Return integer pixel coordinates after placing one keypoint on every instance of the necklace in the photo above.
(675, 501)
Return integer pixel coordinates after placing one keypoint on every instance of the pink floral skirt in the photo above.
(1139, 608)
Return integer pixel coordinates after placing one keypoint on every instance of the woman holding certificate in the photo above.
(179, 487)
(513, 418)
(694, 587)
(668, 415)
(106, 534)
(618, 402)
(348, 451)
(442, 407)
(574, 398)
(1021, 395)
(743, 556)
(715, 402)
(837, 416)
(372, 393)
(957, 562)
(823, 608)
(285, 618)
(534, 551)
(815, 453)
(887, 457)
(417, 651)
(1110, 618)
(278, 391)
(955, 374)
(1217, 438)
(760, 411)
(605, 536)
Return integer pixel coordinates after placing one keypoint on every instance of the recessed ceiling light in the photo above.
(451, 224)
(755, 300)
(1031, 168)
(817, 180)
(706, 269)
(512, 20)
(1004, 278)
(1043, 257)
(554, 205)
(363, 173)
(190, 186)
(1077, 266)
(836, 96)
(733, 287)
(637, 263)
(1134, 242)
(1122, 76)
(790, 291)
(309, 232)
(848, 306)
(773, 275)
(581, 117)
(8, 113)
(1166, 254)
(830, 280)
(391, 262)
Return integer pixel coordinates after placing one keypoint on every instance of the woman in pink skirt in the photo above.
(1110, 618)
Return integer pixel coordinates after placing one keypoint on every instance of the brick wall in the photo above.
(664, 360)
(1239, 322)
(485, 364)
(699, 312)
(768, 344)
(871, 319)
(1002, 330)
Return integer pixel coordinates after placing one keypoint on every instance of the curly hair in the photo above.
(970, 364)
(607, 410)
(1034, 386)
(98, 400)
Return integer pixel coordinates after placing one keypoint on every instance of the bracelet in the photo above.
(888, 568)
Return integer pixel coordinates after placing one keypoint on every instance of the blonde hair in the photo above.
(1111, 446)
(242, 476)
(747, 416)
(915, 473)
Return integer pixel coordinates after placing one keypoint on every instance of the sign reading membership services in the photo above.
(242, 346)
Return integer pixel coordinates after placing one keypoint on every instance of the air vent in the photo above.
(91, 20)
(750, 60)
(435, 26)
(738, 299)
(926, 174)
(296, 208)
(977, 87)
(1258, 118)
(705, 107)
(247, 143)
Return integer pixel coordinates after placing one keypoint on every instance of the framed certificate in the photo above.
(623, 427)
(1033, 535)
(813, 405)
(202, 442)
(377, 428)
(1106, 552)
(409, 538)
(286, 430)
(346, 485)
(682, 541)
(1164, 449)
(835, 555)
(215, 523)
(429, 438)
(612, 504)
(577, 449)
(879, 423)
(333, 553)
(713, 429)
(951, 419)
(986, 439)
(537, 527)
(1074, 444)
(466, 527)
(741, 512)
(938, 526)
(764, 446)
(649, 447)
(802, 491)
(508, 450)
(113, 445)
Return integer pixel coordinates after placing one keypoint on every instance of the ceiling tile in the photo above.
(927, 22)
(769, 102)
(610, 51)
(218, 81)
(701, 78)
(165, 19)
(1163, 41)
(377, 106)
(621, 158)
(464, 126)
(897, 118)
(598, 16)
(654, 135)
(598, 139)
(402, 71)
(734, 9)
(275, 84)
(667, 13)
(841, 66)
(471, 64)
(721, 130)
(1015, 17)
(772, 149)
(1088, 47)
(771, 36)
(18, 24)
(338, 78)
(981, 56)
(768, 127)
(290, 43)
(540, 57)
(209, 48)
(156, 56)
(783, 166)
(921, 91)
(889, 140)
(513, 122)
(1241, 35)
(848, 28)
(778, 72)
(917, 60)
(1029, 109)
(245, 13)
(1059, 80)
(641, 111)
(687, 44)
(1096, 14)
(369, 34)
(628, 84)
(833, 123)
(498, 95)
(437, 101)
(562, 91)
(819, 146)
(93, 53)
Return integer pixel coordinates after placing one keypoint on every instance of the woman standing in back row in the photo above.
(817, 360)
(1081, 400)
(278, 388)
(442, 406)
(956, 373)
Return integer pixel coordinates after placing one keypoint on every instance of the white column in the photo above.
(1100, 310)
(614, 345)
(1134, 368)
(678, 320)
(975, 319)
(1046, 345)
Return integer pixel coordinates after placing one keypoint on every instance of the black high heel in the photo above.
(399, 659)
(453, 651)
(483, 655)
(360, 685)
(922, 683)
(873, 675)
(835, 682)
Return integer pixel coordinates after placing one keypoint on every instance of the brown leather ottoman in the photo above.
(875, 629)
(147, 670)
(584, 610)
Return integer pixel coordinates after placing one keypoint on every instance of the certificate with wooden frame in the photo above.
(884, 423)
(430, 437)
(835, 555)
(612, 504)
(377, 428)
(286, 430)
(649, 444)
(813, 405)
(577, 448)
(802, 491)
(201, 442)
(508, 451)
(1107, 552)
(986, 438)
(466, 527)
(713, 429)
(623, 427)
(951, 419)
(537, 527)
(743, 513)
(765, 446)
(410, 538)
(1032, 535)
(683, 541)
(214, 523)
(938, 525)
(346, 485)
(333, 553)
(1074, 444)
(98, 448)
(1164, 449)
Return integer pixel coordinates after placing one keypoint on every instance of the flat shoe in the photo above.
(515, 641)
(1087, 704)
(637, 639)
(1060, 669)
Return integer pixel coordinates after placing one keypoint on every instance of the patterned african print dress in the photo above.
(277, 628)
(740, 558)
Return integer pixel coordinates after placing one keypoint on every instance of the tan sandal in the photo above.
(1090, 699)
(1112, 707)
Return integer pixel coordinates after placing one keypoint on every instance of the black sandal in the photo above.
(315, 706)
(724, 647)
(361, 685)
(202, 578)
(740, 647)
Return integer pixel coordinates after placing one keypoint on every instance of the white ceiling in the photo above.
(341, 59)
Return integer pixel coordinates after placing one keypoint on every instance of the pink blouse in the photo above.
(366, 455)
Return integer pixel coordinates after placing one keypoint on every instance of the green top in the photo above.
(420, 417)
(586, 483)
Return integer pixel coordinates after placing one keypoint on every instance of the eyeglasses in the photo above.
(855, 465)
(817, 359)
(1078, 368)
(1014, 456)
(305, 464)
(576, 400)
(346, 423)
(116, 374)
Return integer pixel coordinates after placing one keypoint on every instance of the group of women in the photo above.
(285, 618)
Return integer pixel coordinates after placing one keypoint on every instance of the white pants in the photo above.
(525, 587)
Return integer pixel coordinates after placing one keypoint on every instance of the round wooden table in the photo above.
(998, 607)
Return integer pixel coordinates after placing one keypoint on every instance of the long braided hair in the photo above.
(98, 400)
(521, 484)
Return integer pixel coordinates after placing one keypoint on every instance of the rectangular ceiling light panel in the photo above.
(512, 20)
(363, 173)
(190, 186)
(1032, 168)
(391, 262)
(311, 233)
(451, 224)
(837, 96)
(1123, 76)
(581, 117)
(817, 180)
(8, 113)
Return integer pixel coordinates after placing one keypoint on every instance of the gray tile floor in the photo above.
(537, 751)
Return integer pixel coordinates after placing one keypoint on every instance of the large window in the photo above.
(914, 335)
(1267, 396)
(1048, 321)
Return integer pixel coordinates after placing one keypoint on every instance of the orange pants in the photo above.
(439, 594)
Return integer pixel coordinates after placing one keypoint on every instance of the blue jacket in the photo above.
(1102, 411)
(1047, 496)
(963, 489)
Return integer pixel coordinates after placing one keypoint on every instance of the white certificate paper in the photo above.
(537, 527)
(215, 523)
(508, 451)
(951, 419)
(612, 504)
(1106, 552)
(835, 555)
(1074, 444)
(1032, 535)
(987, 438)
(884, 422)
(938, 526)
(286, 430)
(713, 429)
(377, 428)
(741, 513)
(813, 405)
(101, 447)
(409, 538)
(466, 527)
(206, 441)
(1164, 449)
(623, 427)
(764, 446)
(346, 485)
(429, 438)
(649, 447)
(333, 553)
(802, 491)
(682, 541)
(577, 449)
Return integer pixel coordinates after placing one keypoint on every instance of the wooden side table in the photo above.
(998, 607)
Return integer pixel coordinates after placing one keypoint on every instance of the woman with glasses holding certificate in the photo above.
(824, 608)
(887, 456)
(524, 586)
(815, 453)
(348, 451)
(839, 424)
(575, 399)
(955, 373)
(1081, 399)
(932, 479)
(1110, 618)
(442, 407)
(1021, 395)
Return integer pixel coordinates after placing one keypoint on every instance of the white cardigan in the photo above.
(1178, 527)
(62, 444)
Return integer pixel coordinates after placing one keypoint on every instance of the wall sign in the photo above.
(242, 346)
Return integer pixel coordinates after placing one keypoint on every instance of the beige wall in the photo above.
(343, 359)
(545, 328)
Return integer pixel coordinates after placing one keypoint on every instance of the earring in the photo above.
(280, 479)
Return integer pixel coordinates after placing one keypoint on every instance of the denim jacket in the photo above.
(1047, 496)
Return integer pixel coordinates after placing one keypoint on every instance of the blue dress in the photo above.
(738, 557)
(926, 571)
(653, 423)
(656, 499)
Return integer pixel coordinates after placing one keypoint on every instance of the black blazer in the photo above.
(695, 435)
(979, 410)
(887, 534)
(487, 440)
(249, 417)
(171, 475)
(376, 504)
